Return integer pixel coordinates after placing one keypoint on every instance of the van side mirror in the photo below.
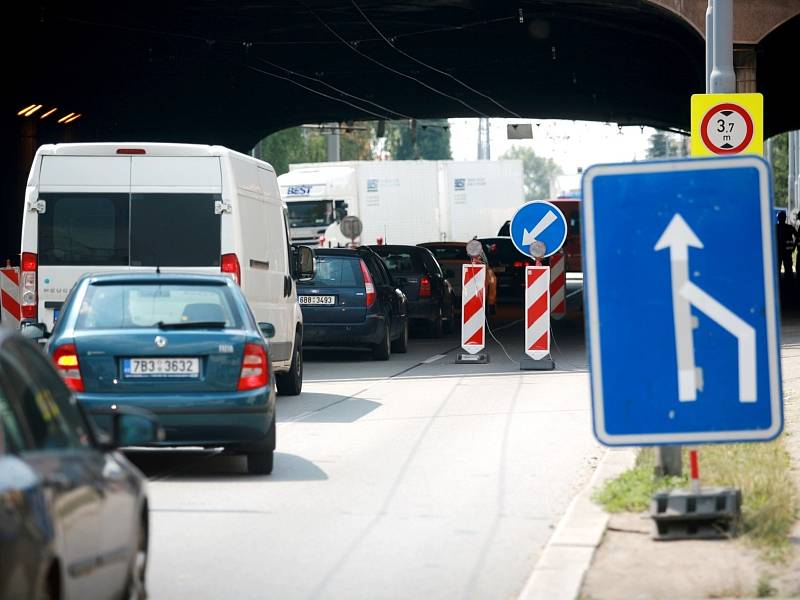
(267, 330)
(306, 263)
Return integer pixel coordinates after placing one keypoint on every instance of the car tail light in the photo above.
(424, 287)
(369, 286)
(321, 241)
(519, 263)
(66, 359)
(255, 373)
(230, 264)
(27, 285)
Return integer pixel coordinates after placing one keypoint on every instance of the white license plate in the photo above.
(330, 300)
(161, 367)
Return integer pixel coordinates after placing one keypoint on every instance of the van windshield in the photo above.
(107, 229)
(311, 213)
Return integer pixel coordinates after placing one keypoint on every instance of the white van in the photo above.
(179, 207)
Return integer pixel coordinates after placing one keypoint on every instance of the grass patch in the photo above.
(633, 489)
(760, 471)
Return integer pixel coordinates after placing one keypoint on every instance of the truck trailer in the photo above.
(400, 202)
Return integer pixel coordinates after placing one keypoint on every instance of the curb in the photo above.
(559, 572)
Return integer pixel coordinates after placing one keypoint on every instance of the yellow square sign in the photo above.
(727, 124)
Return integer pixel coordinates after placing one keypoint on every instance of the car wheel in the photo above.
(400, 345)
(291, 383)
(261, 462)
(383, 350)
(135, 587)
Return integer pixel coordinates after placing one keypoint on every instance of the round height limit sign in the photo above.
(727, 124)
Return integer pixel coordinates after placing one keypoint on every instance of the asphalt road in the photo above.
(412, 478)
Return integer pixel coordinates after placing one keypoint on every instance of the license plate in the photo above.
(161, 367)
(499, 269)
(330, 300)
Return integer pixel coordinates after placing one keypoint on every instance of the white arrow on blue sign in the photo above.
(680, 279)
(538, 220)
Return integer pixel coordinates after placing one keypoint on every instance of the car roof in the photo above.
(145, 277)
(443, 244)
(396, 247)
(336, 252)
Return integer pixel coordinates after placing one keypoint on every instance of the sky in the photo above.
(571, 144)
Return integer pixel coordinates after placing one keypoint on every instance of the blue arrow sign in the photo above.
(538, 220)
(681, 312)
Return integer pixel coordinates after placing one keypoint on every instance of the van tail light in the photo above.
(29, 298)
(424, 287)
(66, 359)
(230, 264)
(369, 286)
(255, 372)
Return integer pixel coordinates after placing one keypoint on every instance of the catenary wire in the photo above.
(387, 67)
(336, 89)
(323, 94)
(427, 66)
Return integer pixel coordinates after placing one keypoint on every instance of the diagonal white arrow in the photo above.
(528, 237)
(678, 236)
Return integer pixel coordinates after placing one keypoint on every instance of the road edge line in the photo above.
(565, 559)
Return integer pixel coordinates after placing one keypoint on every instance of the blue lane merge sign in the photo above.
(681, 309)
(538, 220)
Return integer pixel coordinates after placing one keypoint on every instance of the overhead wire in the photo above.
(431, 67)
(323, 94)
(387, 67)
(336, 89)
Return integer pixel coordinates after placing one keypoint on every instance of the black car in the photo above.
(353, 300)
(73, 513)
(419, 275)
(508, 265)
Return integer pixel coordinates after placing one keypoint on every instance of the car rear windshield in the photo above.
(337, 271)
(144, 305)
(102, 229)
(449, 252)
(401, 261)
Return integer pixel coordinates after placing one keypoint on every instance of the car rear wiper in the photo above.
(192, 325)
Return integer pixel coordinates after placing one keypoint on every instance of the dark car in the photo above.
(508, 264)
(431, 301)
(73, 512)
(353, 301)
(185, 346)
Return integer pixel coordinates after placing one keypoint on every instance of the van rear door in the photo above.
(83, 226)
(174, 223)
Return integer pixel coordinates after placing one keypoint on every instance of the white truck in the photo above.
(401, 202)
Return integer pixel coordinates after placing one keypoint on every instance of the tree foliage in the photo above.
(299, 145)
(780, 168)
(432, 140)
(664, 145)
(538, 172)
